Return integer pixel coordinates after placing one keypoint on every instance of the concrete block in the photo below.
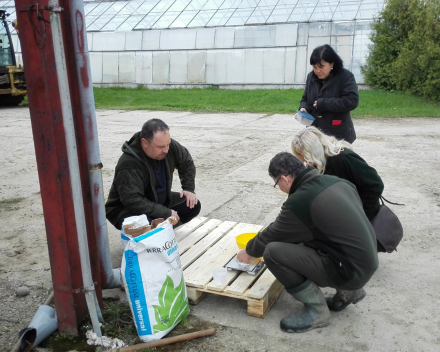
(143, 64)
(224, 37)
(205, 38)
(161, 67)
(108, 41)
(178, 66)
(150, 40)
(286, 34)
(196, 66)
(110, 67)
(178, 39)
(96, 67)
(127, 67)
(133, 40)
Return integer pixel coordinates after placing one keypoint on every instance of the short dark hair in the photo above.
(151, 127)
(285, 164)
(326, 53)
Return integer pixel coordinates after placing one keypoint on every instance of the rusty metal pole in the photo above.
(110, 278)
(48, 129)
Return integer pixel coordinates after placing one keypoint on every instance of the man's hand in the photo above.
(243, 257)
(174, 214)
(191, 199)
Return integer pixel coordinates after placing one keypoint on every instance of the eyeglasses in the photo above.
(275, 185)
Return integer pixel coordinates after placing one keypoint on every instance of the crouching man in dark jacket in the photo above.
(144, 176)
(320, 238)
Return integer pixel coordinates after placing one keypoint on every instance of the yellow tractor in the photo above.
(12, 82)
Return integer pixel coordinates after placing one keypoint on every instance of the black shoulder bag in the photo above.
(387, 227)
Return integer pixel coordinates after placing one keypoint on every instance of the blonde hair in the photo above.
(315, 146)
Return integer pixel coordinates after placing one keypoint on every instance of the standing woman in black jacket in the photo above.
(330, 94)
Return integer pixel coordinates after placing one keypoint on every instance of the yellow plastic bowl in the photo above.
(244, 238)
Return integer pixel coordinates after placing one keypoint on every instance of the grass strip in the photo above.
(372, 103)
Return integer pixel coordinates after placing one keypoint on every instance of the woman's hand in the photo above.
(243, 257)
(303, 110)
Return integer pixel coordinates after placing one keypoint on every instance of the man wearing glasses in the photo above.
(321, 238)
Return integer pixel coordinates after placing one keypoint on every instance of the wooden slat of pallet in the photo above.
(184, 230)
(261, 287)
(255, 307)
(230, 276)
(199, 274)
(259, 308)
(239, 286)
(203, 245)
(197, 235)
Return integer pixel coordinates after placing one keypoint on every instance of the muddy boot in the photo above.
(343, 298)
(314, 314)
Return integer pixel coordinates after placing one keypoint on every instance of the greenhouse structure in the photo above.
(228, 43)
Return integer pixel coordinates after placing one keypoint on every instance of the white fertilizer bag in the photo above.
(153, 280)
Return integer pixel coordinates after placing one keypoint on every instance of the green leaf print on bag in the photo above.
(173, 305)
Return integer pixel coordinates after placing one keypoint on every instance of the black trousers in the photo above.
(293, 264)
(185, 213)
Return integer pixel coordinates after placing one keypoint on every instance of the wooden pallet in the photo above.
(208, 243)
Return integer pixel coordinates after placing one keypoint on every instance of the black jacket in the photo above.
(325, 213)
(133, 188)
(351, 167)
(336, 96)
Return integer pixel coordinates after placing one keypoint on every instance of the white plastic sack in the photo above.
(153, 280)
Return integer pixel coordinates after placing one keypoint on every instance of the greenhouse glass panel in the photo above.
(201, 19)
(162, 5)
(212, 5)
(184, 19)
(323, 12)
(133, 40)
(239, 17)
(269, 3)
(100, 22)
(254, 65)
(114, 23)
(127, 67)
(346, 11)
(280, 14)
(369, 9)
(287, 3)
(302, 12)
(343, 28)
(87, 7)
(166, 20)
(96, 67)
(320, 29)
(205, 38)
(196, 66)
(220, 18)
(179, 5)
(230, 4)
(161, 65)
(260, 15)
(178, 66)
(131, 7)
(235, 66)
(196, 5)
(148, 21)
(130, 23)
(116, 7)
(255, 36)
(224, 37)
(144, 61)
(145, 7)
(248, 4)
(99, 10)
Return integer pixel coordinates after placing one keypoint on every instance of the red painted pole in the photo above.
(53, 170)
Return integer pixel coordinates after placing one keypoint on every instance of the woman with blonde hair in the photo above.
(336, 157)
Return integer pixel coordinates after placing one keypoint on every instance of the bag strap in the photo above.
(386, 200)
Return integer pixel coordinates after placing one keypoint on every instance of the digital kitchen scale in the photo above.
(253, 268)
